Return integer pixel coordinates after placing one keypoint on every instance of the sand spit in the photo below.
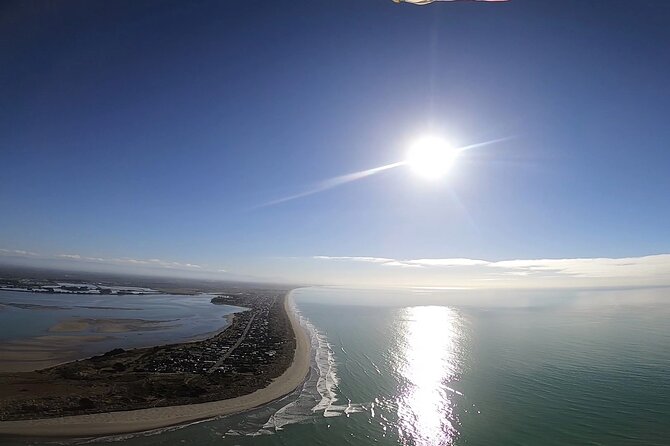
(153, 418)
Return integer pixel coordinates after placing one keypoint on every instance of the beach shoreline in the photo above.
(140, 420)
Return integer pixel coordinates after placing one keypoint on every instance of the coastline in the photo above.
(114, 423)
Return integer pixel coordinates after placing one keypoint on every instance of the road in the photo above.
(218, 363)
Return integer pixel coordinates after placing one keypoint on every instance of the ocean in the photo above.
(464, 367)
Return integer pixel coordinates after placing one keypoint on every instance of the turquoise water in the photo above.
(514, 368)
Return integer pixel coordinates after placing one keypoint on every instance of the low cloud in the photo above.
(446, 262)
(643, 271)
(647, 266)
(653, 269)
(407, 263)
(356, 259)
(70, 256)
(156, 263)
(147, 262)
(17, 252)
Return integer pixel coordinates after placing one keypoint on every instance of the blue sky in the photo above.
(140, 131)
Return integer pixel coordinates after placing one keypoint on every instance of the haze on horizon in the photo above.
(232, 141)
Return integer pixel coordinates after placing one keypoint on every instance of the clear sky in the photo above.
(147, 134)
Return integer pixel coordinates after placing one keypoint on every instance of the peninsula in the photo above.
(263, 355)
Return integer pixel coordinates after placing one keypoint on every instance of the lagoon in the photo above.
(41, 329)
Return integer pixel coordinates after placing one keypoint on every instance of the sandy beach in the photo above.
(153, 418)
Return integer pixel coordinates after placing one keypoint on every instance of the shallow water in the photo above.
(395, 368)
(181, 317)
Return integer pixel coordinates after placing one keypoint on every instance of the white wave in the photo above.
(318, 389)
(319, 394)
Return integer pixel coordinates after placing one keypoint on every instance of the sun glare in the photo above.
(431, 157)
(429, 365)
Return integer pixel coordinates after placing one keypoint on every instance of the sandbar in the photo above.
(109, 325)
(24, 355)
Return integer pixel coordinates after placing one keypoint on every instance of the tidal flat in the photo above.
(40, 330)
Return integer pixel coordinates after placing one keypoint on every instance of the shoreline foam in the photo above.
(114, 423)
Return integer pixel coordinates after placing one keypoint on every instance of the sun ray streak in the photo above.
(332, 182)
(485, 143)
(355, 176)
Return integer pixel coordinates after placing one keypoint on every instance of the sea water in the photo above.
(458, 367)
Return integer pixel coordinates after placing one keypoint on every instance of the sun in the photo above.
(431, 157)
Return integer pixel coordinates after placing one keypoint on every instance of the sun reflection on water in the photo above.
(430, 360)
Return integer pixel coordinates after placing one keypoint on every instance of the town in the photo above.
(249, 343)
